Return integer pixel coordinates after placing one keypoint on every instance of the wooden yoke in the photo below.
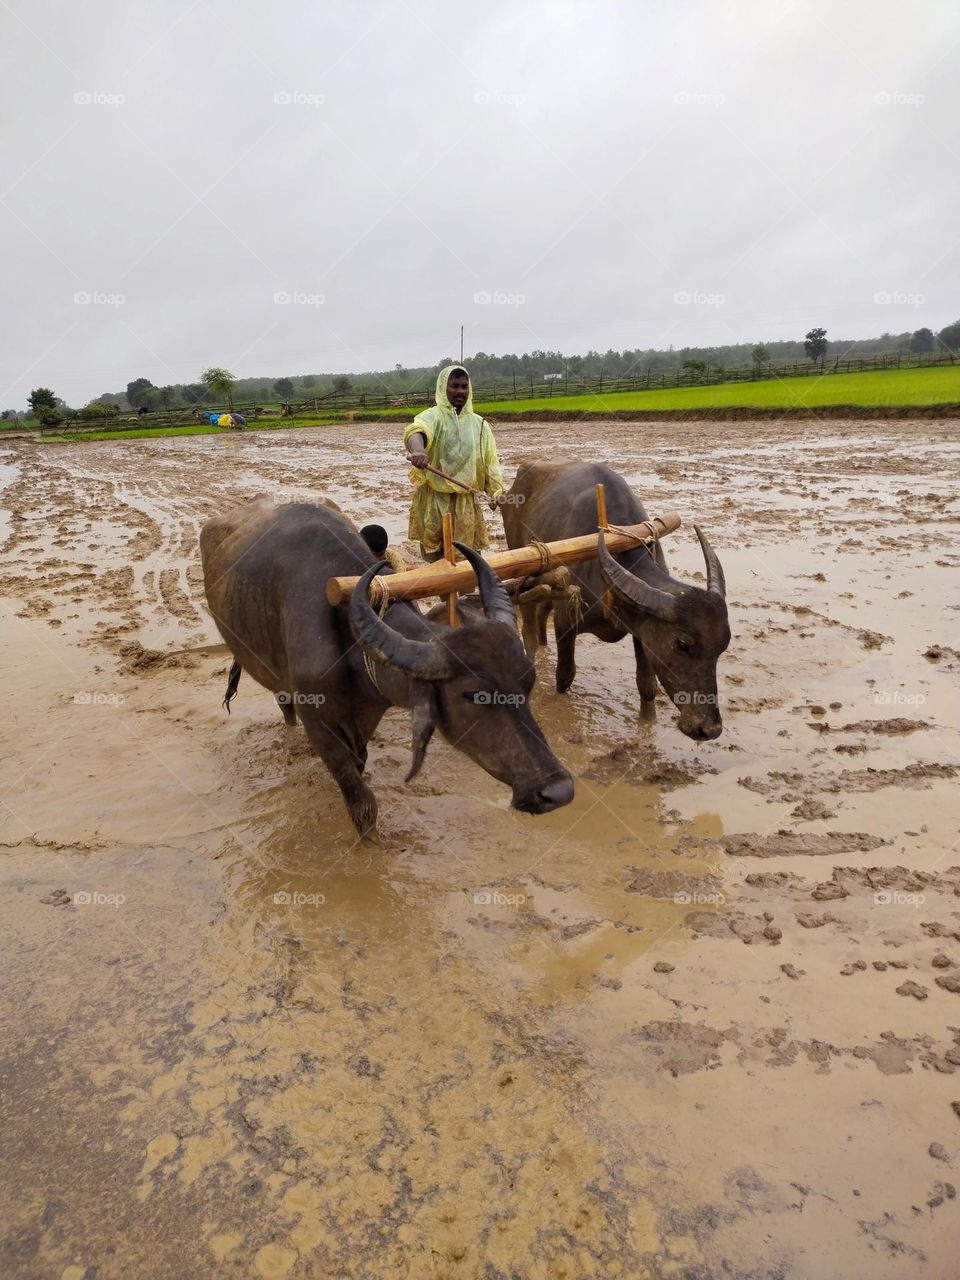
(442, 578)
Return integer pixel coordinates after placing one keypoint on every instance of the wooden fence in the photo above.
(523, 388)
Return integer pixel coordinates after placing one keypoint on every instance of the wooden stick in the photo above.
(440, 578)
(453, 618)
(602, 524)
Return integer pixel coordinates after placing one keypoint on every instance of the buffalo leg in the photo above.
(543, 612)
(346, 768)
(565, 633)
(285, 704)
(646, 682)
(529, 629)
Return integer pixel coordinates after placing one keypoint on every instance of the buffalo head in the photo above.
(683, 631)
(473, 683)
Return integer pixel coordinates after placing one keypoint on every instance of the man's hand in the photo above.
(419, 460)
(495, 500)
(417, 450)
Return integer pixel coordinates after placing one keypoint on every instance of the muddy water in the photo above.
(689, 1026)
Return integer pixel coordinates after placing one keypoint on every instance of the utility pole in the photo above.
(461, 344)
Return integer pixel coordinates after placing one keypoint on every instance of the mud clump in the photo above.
(139, 660)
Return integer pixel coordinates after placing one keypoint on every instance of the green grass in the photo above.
(882, 387)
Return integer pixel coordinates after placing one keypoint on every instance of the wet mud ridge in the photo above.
(704, 1022)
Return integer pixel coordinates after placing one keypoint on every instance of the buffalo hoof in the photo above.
(565, 680)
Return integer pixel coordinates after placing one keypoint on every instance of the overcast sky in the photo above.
(309, 187)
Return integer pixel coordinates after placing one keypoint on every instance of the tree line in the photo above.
(217, 386)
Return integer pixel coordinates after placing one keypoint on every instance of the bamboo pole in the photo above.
(602, 524)
(453, 618)
(440, 578)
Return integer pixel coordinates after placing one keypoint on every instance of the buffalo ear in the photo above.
(421, 723)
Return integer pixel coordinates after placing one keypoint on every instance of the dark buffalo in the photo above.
(265, 568)
(679, 631)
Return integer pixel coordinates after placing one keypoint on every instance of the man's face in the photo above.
(458, 388)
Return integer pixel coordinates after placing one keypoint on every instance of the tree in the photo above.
(760, 354)
(816, 344)
(136, 391)
(99, 409)
(309, 380)
(342, 384)
(167, 397)
(43, 404)
(949, 336)
(220, 382)
(284, 388)
(922, 341)
(194, 393)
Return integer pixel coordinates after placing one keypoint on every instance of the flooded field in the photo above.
(703, 1022)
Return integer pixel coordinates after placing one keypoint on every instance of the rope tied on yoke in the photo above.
(546, 555)
(644, 540)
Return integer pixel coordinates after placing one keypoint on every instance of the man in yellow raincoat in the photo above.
(452, 438)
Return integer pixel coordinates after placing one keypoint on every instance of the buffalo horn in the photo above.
(426, 660)
(715, 579)
(493, 594)
(660, 603)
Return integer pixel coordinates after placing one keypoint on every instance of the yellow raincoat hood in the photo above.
(442, 402)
